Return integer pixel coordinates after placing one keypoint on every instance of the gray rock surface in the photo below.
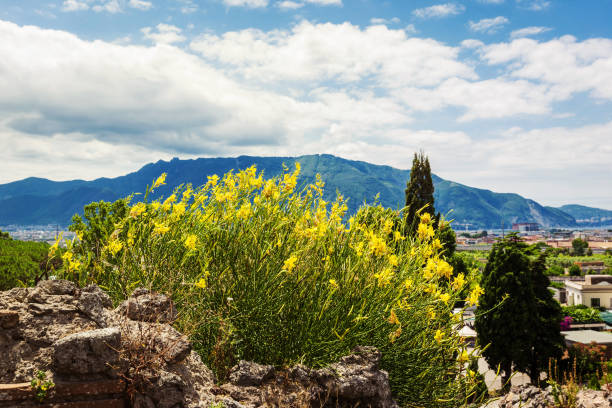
(146, 306)
(88, 352)
(529, 396)
(74, 334)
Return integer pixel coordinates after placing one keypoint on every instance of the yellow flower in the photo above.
(138, 209)
(378, 247)
(155, 205)
(458, 282)
(474, 295)
(431, 313)
(430, 268)
(398, 236)
(384, 277)
(333, 283)
(187, 194)
(168, 202)
(114, 246)
(408, 283)
(290, 263)
(393, 260)
(393, 318)
(244, 212)
(445, 297)
(270, 190)
(394, 335)
(161, 180)
(425, 231)
(444, 269)
(463, 357)
(439, 336)
(388, 226)
(212, 180)
(201, 283)
(436, 244)
(190, 241)
(160, 229)
(426, 218)
(178, 210)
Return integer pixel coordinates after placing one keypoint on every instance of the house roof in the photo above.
(588, 336)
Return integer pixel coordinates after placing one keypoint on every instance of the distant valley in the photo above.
(41, 201)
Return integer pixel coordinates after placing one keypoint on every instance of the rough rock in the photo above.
(146, 306)
(88, 352)
(529, 396)
(74, 334)
(247, 373)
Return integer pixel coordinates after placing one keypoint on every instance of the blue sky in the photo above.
(509, 95)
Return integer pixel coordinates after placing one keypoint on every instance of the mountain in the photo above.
(41, 201)
(588, 216)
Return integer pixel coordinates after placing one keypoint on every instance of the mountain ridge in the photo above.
(37, 200)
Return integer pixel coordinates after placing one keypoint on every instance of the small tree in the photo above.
(579, 246)
(575, 270)
(520, 322)
(419, 193)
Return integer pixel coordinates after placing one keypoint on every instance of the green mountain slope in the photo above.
(588, 216)
(41, 201)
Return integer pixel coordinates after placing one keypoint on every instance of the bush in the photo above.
(581, 314)
(20, 262)
(575, 270)
(264, 273)
(555, 270)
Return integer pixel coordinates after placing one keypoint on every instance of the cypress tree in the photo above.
(419, 193)
(523, 332)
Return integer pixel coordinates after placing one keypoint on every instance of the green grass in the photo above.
(19, 262)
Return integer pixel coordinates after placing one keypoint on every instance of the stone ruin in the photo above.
(131, 356)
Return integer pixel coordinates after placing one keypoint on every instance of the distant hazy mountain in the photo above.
(588, 216)
(41, 201)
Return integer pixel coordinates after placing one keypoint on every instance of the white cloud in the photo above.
(289, 5)
(140, 4)
(164, 34)
(104, 109)
(322, 52)
(489, 25)
(74, 5)
(384, 21)
(528, 31)
(246, 3)
(566, 66)
(439, 10)
(535, 5)
(110, 6)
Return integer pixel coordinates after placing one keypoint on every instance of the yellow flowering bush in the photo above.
(264, 272)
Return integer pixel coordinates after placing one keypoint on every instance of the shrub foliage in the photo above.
(262, 272)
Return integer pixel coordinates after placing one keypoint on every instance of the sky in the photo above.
(507, 95)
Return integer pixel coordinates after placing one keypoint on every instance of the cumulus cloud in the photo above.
(163, 34)
(310, 89)
(140, 4)
(535, 5)
(489, 25)
(528, 31)
(439, 10)
(289, 5)
(74, 5)
(322, 52)
(110, 6)
(566, 66)
(385, 21)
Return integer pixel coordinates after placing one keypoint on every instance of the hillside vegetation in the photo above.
(20, 261)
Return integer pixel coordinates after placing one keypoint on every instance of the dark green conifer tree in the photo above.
(523, 332)
(419, 193)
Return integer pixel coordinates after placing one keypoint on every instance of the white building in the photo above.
(593, 291)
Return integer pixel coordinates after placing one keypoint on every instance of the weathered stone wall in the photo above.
(132, 356)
